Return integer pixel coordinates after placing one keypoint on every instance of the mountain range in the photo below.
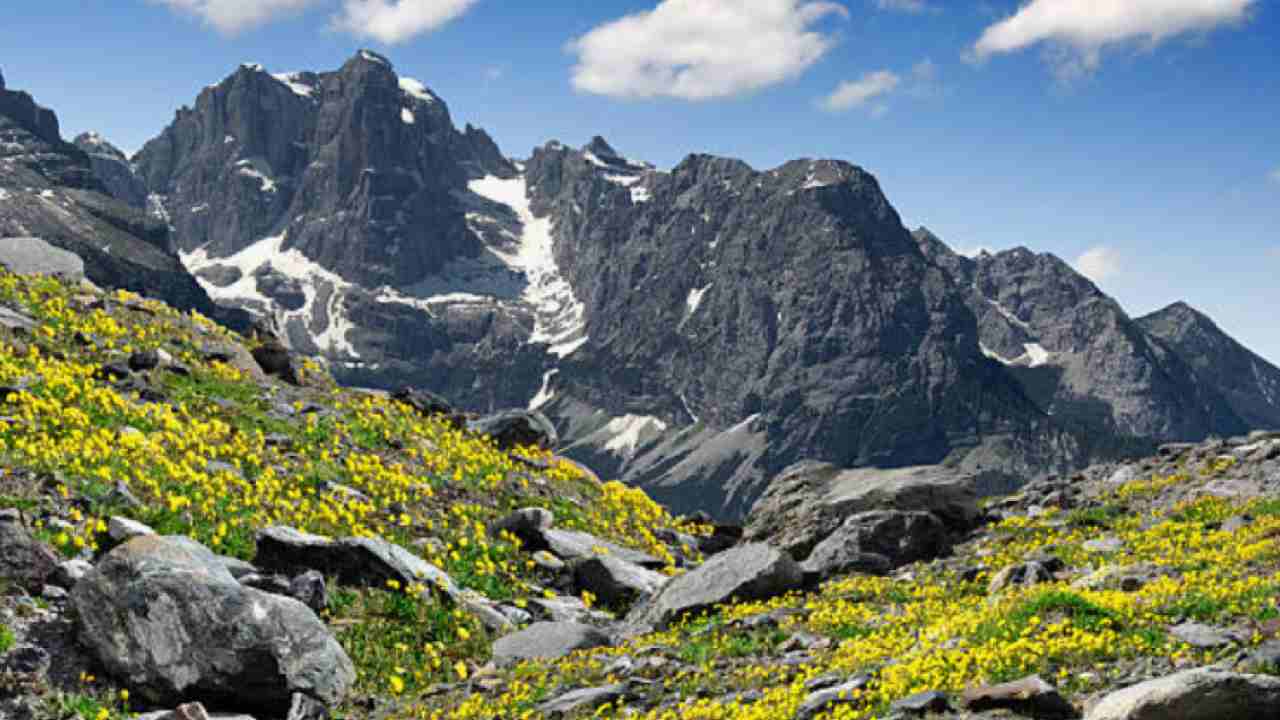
(693, 331)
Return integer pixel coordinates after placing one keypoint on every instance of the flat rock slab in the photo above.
(748, 572)
(360, 561)
(1200, 694)
(574, 545)
(547, 640)
(583, 699)
(33, 256)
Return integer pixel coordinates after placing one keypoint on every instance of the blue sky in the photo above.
(1141, 144)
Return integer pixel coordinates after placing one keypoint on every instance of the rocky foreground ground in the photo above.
(195, 524)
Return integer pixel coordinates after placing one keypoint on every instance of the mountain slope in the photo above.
(1077, 353)
(48, 189)
(1250, 384)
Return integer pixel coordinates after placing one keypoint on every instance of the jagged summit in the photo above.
(1250, 384)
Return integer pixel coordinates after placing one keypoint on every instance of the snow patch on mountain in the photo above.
(545, 393)
(416, 90)
(630, 432)
(694, 301)
(268, 254)
(294, 82)
(560, 317)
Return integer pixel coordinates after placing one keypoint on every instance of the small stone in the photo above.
(547, 561)
(526, 523)
(1103, 545)
(827, 699)
(1201, 636)
(583, 699)
(921, 703)
(122, 529)
(1030, 696)
(68, 573)
(27, 660)
(144, 360)
(309, 589)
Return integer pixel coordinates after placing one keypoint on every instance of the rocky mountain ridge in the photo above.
(693, 331)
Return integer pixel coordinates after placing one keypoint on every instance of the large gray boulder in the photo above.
(1200, 694)
(809, 501)
(361, 561)
(165, 618)
(547, 641)
(877, 542)
(748, 572)
(33, 256)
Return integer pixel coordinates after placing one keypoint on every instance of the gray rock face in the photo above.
(112, 169)
(747, 572)
(361, 181)
(1200, 694)
(1249, 384)
(809, 501)
(789, 307)
(165, 617)
(576, 545)
(877, 542)
(546, 640)
(33, 256)
(48, 189)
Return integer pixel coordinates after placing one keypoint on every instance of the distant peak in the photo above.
(600, 147)
(252, 67)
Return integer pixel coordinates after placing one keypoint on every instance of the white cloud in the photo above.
(702, 49)
(1099, 263)
(394, 21)
(1079, 30)
(855, 93)
(232, 16)
(910, 6)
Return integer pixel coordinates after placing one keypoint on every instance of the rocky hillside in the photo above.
(194, 524)
(49, 189)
